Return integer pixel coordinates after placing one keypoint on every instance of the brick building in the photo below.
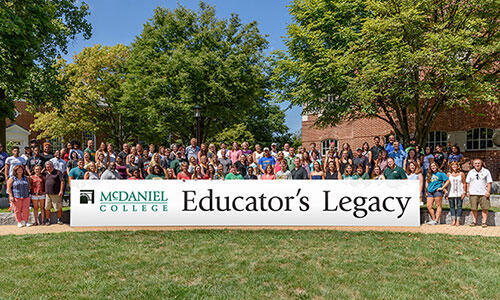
(472, 131)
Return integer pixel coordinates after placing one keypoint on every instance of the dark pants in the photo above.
(458, 212)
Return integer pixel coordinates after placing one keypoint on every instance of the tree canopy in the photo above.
(94, 83)
(185, 58)
(400, 61)
(32, 34)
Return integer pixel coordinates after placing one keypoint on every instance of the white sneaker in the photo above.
(19, 224)
(23, 223)
(28, 224)
(431, 222)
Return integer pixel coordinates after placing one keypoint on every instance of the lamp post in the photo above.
(197, 115)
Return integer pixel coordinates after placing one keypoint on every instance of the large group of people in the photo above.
(43, 175)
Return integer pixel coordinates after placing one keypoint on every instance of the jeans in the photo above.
(459, 202)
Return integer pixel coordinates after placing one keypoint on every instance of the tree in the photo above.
(185, 58)
(94, 84)
(32, 35)
(400, 61)
(237, 133)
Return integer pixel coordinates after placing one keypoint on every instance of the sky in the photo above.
(120, 21)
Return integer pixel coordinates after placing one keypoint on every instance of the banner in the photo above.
(245, 203)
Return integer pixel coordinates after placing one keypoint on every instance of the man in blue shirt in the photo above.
(390, 145)
(266, 160)
(192, 150)
(398, 155)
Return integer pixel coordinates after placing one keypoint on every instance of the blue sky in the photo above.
(119, 21)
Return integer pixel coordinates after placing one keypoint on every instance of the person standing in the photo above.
(456, 192)
(478, 190)
(193, 149)
(18, 187)
(440, 157)
(225, 161)
(376, 148)
(34, 160)
(90, 149)
(298, 172)
(125, 152)
(414, 172)
(235, 153)
(111, 173)
(436, 184)
(78, 172)
(54, 189)
(12, 161)
(38, 193)
(266, 160)
(398, 154)
(58, 162)
(46, 153)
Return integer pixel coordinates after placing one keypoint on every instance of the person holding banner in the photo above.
(436, 184)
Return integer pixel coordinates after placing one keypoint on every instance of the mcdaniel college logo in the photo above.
(86, 196)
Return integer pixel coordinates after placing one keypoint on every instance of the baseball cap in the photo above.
(266, 149)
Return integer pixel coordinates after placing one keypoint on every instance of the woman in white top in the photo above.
(414, 172)
(456, 192)
(91, 173)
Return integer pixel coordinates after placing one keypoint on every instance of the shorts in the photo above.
(479, 200)
(435, 194)
(54, 201)
(37, 197)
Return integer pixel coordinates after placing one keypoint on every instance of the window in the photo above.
(56, 144)
(87, 136)
(479, 139)
(327, 144)
(437, 138)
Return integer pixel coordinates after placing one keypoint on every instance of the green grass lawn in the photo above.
(249, 265)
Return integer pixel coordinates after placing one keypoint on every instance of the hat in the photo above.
(359, 149)
(266, 149)
(274, 144)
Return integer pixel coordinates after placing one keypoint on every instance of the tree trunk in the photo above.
(3, 127)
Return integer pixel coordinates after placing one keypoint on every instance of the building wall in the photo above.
(455, 122)
(24, 118)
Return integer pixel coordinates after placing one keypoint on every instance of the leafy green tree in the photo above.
(237, 133)
(400, 61)
(32, 34)
(185, 58)
(94, 84)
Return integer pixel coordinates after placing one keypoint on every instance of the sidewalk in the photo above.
(493, 231)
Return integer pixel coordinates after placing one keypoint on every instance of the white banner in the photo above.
(245, 203)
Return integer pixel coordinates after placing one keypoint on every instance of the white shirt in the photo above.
(14, 161)
(478, 181)
(59, 164)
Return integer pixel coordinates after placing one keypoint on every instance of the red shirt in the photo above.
(182, 176)
(37, 185)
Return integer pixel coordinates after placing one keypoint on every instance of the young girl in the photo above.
(456, 192)
(38, 193)
(436, 184)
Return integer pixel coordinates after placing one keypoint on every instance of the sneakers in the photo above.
(19, 224)
(431, 222)
(23, 223)
(47, 223)
(28, 225)
(59, 221)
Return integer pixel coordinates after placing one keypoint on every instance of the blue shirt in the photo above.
(3, 157)
(266, 161)
(192, 151)
(390, 147)
(399, 157)
(455, 157)
(437, 180)
(77, 173)
(426, 164)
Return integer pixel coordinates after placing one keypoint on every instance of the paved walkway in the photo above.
(445, 229)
